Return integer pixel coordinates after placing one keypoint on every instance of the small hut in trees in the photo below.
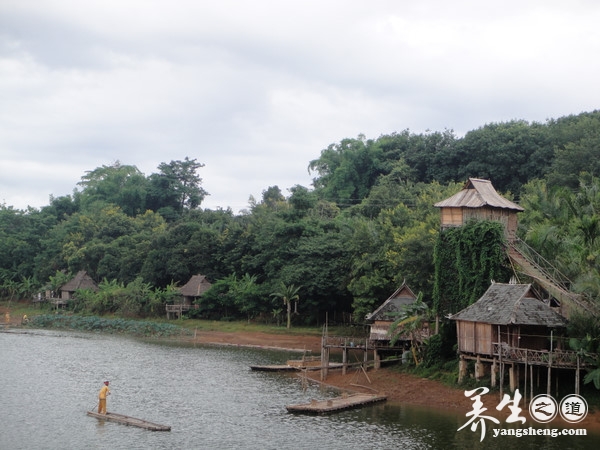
(79, 282)
(194, 288)
(190, 291)
(479, 200)
(382, 318)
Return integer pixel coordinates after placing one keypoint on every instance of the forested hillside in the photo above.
(366, 224)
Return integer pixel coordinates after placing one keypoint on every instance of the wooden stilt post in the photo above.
(531, 382)
(462, 369)
(324, 363)
(577, 377)
(501, 378)
(549, 382)
(525, 383)
(344, 360)
(324, 352)
(501, 363)
(512, 378)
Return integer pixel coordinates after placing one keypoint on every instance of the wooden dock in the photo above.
(131, 421)
(336, 404)
(292, 367)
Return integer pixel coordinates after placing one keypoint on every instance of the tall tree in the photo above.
(117, 184)
(176, 187)
(348, 170)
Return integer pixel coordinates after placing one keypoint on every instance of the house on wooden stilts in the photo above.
(380, 321)
(382, 318)
(478, 200)
(509, 327)
(190, 292)
(81, 281)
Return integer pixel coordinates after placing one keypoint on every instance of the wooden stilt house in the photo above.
(510, 328)
(190, 292)
(479, 200)
(509, 315)
(194, 288)
(79, 282)
(382, 318)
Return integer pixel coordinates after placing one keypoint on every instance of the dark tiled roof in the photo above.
(504, 304)
(478, 193)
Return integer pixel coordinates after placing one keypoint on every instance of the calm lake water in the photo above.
(209, 397)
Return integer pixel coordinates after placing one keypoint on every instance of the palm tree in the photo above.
(288, 293)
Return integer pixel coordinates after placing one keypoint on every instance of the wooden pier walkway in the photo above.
(132, 421)
(336, 404)
(292, 368)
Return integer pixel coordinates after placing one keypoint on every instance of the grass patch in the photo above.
(41, 316)
(245, 327)
(105, 325)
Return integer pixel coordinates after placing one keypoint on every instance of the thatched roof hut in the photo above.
(382, 318)
(79, 282)
(479, 200)
(194, 288)
(507, 313)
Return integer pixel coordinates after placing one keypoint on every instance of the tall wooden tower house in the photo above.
(479, 200)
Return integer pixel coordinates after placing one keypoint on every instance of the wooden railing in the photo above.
(349, 342)
(543, 266)
(556, 358)
(178, 309)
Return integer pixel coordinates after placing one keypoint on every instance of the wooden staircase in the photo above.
(529, 263)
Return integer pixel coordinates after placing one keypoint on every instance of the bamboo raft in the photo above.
(131, 421)
(275, 368)
(336, 404)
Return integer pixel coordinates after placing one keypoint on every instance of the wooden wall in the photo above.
(455, 217)
(475, 337)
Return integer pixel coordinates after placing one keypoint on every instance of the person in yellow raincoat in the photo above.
(102, 398)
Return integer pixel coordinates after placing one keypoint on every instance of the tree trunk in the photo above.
(289, 314)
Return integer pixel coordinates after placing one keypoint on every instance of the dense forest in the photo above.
(344, 244)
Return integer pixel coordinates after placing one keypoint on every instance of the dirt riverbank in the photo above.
(399, 387)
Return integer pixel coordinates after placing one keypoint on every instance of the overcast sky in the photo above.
(256, 89)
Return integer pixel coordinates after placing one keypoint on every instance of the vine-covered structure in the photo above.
(513, 325)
